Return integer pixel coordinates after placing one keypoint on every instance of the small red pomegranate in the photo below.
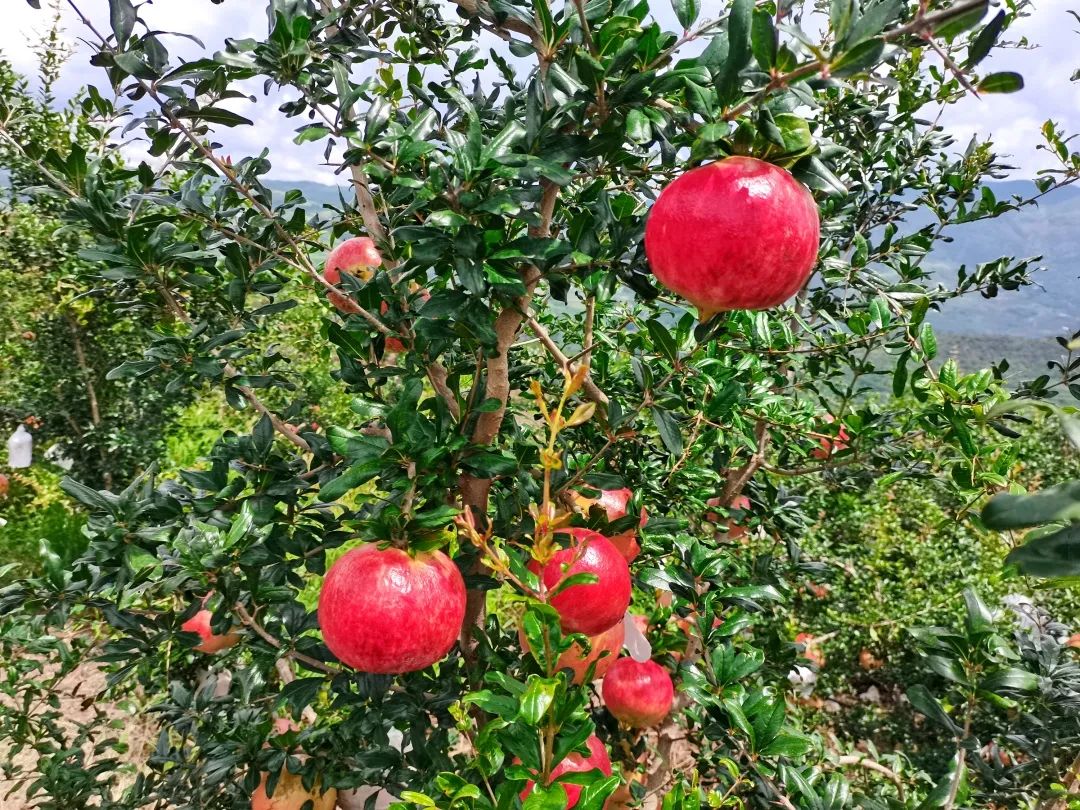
(357, 257)
(597, 606)
(386, 611)
(290, 794)
(211, 642)
(604, 650)
(739, 233)
(614, 502)
(638, 694)
(828, 446)
(735, 530)
(575, 763)
(4, 485)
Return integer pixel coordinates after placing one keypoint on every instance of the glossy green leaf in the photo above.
(1005, 82)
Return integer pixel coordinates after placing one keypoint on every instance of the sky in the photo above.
(1013, 121)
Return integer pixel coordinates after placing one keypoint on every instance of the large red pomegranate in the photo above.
(387, 611)
(357, 257)
(739, 233)
(609, 642)
(290, 794)
(639, 694)
(597, 606)
(211, 641)
(575, 763)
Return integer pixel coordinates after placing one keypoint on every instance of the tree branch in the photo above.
(588, 386)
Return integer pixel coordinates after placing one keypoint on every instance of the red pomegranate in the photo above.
(4, 485)
(393, 344)
(211, 642)
(387, 611)
(597, 606)
(739, 233)
(604, 649)
(575, 763)
(614, 502)
(357, 257)
(638, 694)
(829, 446)
(735, 530)
(290, 794)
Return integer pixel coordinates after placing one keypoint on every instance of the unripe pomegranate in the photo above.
(290, 794)
(739, 233)
(597, 606)
(575, 763)
(211, 642)
(639, 694)
(604, 649)
(387, 611)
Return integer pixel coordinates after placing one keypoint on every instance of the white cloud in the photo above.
(1012, 121)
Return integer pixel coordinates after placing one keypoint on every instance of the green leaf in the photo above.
(1058, 504)
(1054, 553)
(1011, 679)
(538, 697)
(1005, 82)
(686, 11)
(552, 797)
(122, 18)
(856, 60)
(668, 429)
(594, 794)
(740, 21)
(638, 127)
(763, 39)
(663, 340)
(927, 704)
(985, 40)
(962, 21)
(90, 498)
(788, 745)
(841, 13)
(795, 132)
(927, 341)
(873, 20)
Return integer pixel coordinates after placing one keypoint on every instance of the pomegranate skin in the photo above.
(638, 694)
(289, 794)
(595, 607)
(576, 763)
(356, 256)
(610, 642)
(211, 642)
(739, 233)
(386, 612)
